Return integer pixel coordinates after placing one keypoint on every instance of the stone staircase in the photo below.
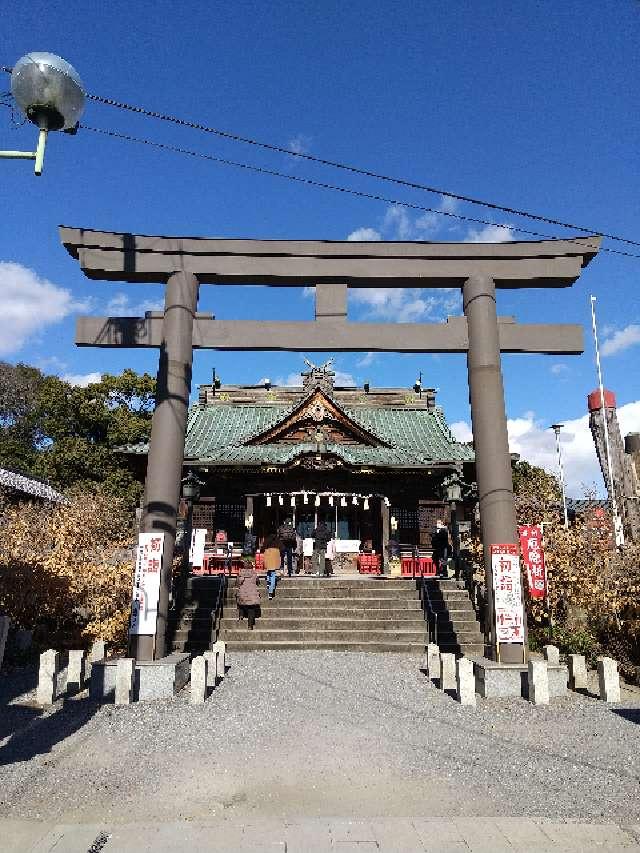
(458, 628)
(191, 625)
(350, 614)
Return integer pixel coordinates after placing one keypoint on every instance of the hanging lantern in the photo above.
(354, 500)
(330, 500)
(281, 500)
(317, 500)
(393, 522)
(293, 501)
(366, 503)
(387, 502)
(305, 498)
(343, 501)
(268, 500)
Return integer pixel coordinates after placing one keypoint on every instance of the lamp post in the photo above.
(191, 486)
(453, 489)
(50, 93)
(556, 428)
(417, 385)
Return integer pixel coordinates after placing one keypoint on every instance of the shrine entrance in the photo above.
(331, 267)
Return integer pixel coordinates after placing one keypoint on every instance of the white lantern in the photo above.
(343, 501)
(268, 500)
(317, 500)
(293, 501)
(387, 502)
(281, 500)
(354, 500)
(366, 503)
(330, 500)
(305, 498)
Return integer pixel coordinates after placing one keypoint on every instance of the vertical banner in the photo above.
(507, 590)
(146, 584)
(196, 552)
(533, 556)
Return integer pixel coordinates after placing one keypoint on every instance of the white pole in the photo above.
(556, 429)
(617, 522)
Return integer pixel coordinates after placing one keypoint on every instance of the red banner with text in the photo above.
(533, 558)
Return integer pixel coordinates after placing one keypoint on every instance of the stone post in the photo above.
(48, 677)
(76, 674)
(552, 655)
(490, 440)
(538, 678)
(98, 652)
(220, 647)
(608, 680)
(214, 664)
(447, 672)
(125, 675)
(433, 661)
(166, 445)
(465, 682)
(577, 672)
(4, 630)
(198, 688)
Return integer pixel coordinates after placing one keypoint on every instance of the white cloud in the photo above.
(82, 379)
(364, 234)
(559, 369)
(621, 340)
(121, 305)
(300, 144)
(405, 304)
(490, 234)
(536, 443)
(343, 378)
(294, 380)
(29, 303)
(366, 360)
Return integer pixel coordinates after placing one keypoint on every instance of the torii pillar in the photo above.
(333, 267)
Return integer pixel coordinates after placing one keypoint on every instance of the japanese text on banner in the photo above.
(533, 556)
(146, 584)
(509, 616)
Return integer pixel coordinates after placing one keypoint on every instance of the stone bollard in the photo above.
(538, 678)
(198, 692)
(214, 663)
(76, 671)
(97, 653)
(433, 661)
(465, 682)
(125, 675)
(4, 630)
(221, 648)
(577, 672)
(608, 680)
(447, 673)
(48, 677)
(552, 655)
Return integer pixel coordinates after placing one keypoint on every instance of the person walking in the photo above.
(271, 555)
(248, 595)
(287, 536)
(440, 544)
(321, 536)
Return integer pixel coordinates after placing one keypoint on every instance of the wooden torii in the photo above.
(332, 267)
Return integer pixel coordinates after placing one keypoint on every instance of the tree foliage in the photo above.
(67, 434)
(66, 569)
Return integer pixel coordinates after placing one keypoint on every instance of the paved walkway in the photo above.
(388, 835)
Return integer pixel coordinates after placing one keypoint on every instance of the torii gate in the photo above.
(182, 263)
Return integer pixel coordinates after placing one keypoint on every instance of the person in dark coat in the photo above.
(248, 595)
(440, 544)
(287, 537)
(321, 537)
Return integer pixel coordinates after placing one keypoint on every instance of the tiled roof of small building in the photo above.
(218, 435)
(21, 483)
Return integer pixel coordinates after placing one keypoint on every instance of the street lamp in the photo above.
(453, 494)
(556, 428)
(191, 486)
(417, 385)
(50, 93)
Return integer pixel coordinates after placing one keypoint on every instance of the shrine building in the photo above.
(372, 463)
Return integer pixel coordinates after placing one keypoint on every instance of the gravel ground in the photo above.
(311, 734)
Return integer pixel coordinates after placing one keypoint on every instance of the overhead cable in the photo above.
(335, 187)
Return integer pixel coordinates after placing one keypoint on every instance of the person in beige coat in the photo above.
(271, 561)
(248, 595)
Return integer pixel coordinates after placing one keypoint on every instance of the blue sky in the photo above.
(533, 105)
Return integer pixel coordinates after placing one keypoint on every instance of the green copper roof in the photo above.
(218, 435)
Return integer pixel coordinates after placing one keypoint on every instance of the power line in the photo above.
(327, 186)
(234, 137)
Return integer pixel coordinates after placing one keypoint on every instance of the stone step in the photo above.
(251, 644)
(309, 624)
(340, 635)
(343, 601)
(329, 612)
(194, 636)
(331, 592)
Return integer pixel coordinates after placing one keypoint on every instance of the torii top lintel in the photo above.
(114, 256)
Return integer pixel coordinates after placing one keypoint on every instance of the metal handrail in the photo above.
(428, 611)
